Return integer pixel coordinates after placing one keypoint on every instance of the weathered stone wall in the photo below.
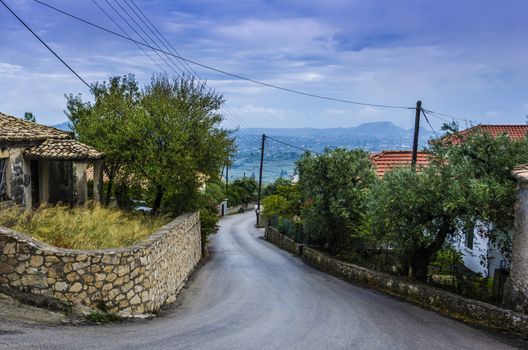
(467, 310)
(18, 177)
(134, 280)
(272, 235)
(516, 289)
(240, 208)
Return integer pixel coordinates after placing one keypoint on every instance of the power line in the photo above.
(145, 41)
(139, 35)
(439, 115)
(220, 70)
(124, 32)
(152, 32)
(47, 46)
(228, 112)
(190, 70)
(290, 145)
(428, 122)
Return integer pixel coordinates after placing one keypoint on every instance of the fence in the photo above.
(382, 258)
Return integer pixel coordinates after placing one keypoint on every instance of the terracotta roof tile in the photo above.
(13, 129)
(514, 131)
(387, 160)
(63, 150)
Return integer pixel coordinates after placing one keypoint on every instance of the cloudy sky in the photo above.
(467, 58)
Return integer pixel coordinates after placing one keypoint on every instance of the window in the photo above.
(469, 237)
(3, 184)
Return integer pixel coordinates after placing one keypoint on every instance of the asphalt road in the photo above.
(251, 295)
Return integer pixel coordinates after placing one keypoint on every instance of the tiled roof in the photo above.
(514, 131)
(386, 160)
(63, 150)
(14, 129)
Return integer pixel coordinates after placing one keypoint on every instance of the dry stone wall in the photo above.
(130, 281)
(272, 235)
(516, 289)
(467, 310)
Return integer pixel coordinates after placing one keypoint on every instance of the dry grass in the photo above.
(89, 227)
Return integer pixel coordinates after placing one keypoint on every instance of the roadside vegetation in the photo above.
(88, 227)
(163, 143)
(242, 192)
(406, 222)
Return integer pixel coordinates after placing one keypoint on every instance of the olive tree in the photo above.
(334, 189)
(468, 181)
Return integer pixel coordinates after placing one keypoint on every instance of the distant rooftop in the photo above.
(387, 160)
(514, 131)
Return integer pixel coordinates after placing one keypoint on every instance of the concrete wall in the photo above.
(452, 305)
(134, 280)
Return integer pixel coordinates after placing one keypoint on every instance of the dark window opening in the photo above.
(470, 237)
(3, 183)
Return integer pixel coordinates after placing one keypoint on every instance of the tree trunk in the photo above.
(109, 190)
(423, 256)
(420, 262)
(157, 201)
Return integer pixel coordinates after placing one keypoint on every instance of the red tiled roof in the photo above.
(514, 131)
(386, 160)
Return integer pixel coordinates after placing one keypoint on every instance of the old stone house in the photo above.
(40, 164)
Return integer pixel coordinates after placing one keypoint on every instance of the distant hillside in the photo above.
(65, 126)
(373, 130)
(280, 159)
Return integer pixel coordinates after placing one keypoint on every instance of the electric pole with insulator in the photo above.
(260, 177)
(416, 134)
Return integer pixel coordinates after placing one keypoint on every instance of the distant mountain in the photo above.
(374, 130)
(65, 126)
(280, 157)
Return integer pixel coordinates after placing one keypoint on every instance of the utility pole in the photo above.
(227, 174)
(416, 133)
(260, 177)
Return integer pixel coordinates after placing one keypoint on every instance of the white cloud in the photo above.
(8, 68)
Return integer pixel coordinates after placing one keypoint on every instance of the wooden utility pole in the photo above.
(416, 133)
(260, 177)
(227, 174)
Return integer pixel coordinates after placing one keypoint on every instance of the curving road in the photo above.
(251, 295)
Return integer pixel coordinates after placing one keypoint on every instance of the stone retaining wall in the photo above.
(272, 235)
(467, 310)
(130, 281)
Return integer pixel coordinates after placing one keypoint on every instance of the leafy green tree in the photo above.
(273, 187)
(180, 140)
(107, 123)
(290, 192)
(467, 182)
(28, 116)
(274, 205)
(334, 188)
(242, 191)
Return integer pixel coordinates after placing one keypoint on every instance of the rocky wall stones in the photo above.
(272, 235)
(134, 280)
(516, 289)
(467, 310)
